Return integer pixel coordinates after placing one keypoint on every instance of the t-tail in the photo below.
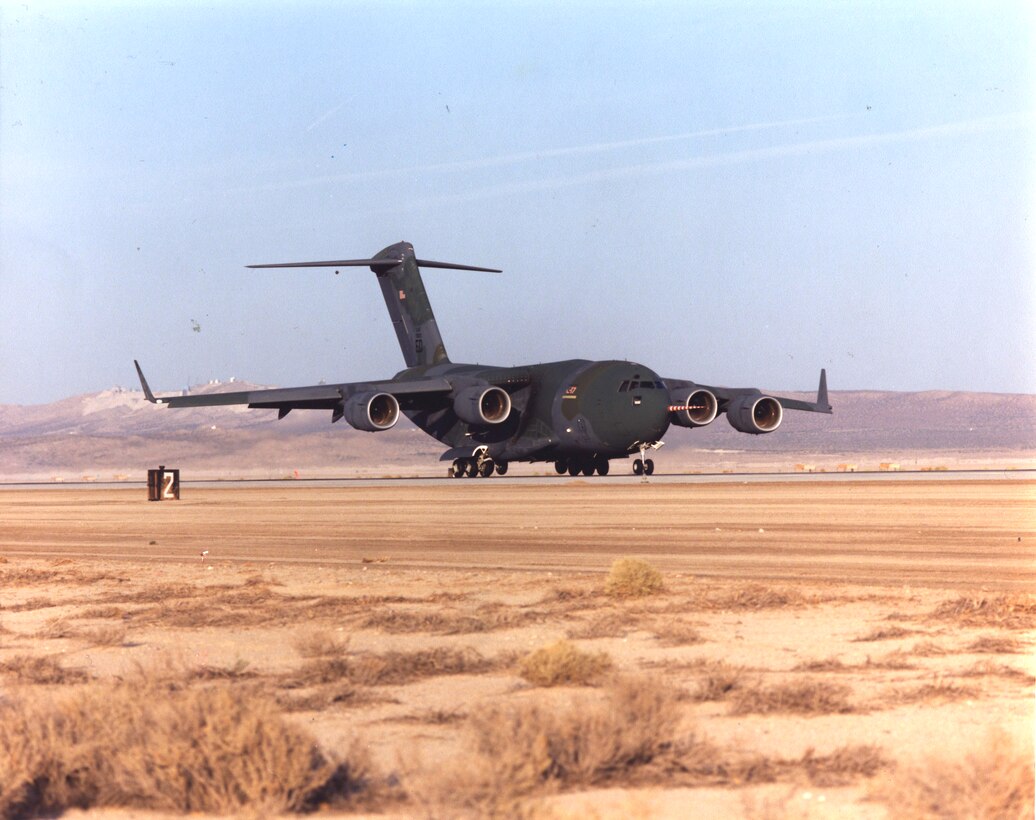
(405, 297)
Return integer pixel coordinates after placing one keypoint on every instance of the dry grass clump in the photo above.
(804, 697)
(928, 649)
(101, 612)
(102, 635)
(405, 667)
(1004, 611)
(236, 671)
(718, 680)
(996, 645)
(611, 624)
(40, 669)
(844, 765)
(60, 627)
(986, 668)
(632, 578)
(562, 663)
(369, 669)
(893, 660)
(752, 597)
(486, 618)
(319, 698)
(36, 602)
(993, 782)
(940, 690)
(676, 633)
(884, 634)
(321, 644)
(822, 665)
(208, 749)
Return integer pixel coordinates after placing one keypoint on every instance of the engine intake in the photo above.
(755, 414)
(482, 405)
(694, 409)
(372, 412)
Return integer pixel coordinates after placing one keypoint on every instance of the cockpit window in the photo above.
(624, 386)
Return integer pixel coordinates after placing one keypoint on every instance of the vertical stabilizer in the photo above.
(408, 306)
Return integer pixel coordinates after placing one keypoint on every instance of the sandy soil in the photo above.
(913, 595)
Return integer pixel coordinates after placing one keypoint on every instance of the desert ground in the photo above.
(772, 649)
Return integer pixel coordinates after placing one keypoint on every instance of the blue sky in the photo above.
(732, 193)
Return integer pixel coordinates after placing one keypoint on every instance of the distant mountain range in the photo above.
(116, 433)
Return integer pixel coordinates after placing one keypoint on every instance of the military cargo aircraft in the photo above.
(577, 414)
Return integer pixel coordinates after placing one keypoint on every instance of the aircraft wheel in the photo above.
(573, 468)
(471, 467)
(588, 468)
(485, 469)
(649, 466)
(457, 468)
(602, 466)
(638, 467)
(561, 466)
(501, 468)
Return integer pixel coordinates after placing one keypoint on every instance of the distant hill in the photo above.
(117, 433)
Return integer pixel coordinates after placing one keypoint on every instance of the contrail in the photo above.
(546, 153)
(329, 113)
(728, 158)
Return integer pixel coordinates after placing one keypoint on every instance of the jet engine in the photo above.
(755, 414)
(372, 412)
(693, 409)
(482, 405)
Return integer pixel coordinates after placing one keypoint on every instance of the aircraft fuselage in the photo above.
(574, 408)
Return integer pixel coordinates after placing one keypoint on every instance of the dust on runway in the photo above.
(968, 534)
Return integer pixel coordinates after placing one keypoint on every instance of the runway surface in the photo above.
(976, 534)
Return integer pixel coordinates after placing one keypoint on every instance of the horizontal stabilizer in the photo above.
(374, 264)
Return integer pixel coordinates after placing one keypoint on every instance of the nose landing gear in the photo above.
(645, 466)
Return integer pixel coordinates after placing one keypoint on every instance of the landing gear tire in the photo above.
(573, 468)
(601, 465)
(501, 468)
(649, 466)
(458, 468)
(561, 466)
(588, 468)
(638, 467)
(485, 469)
(471, 468)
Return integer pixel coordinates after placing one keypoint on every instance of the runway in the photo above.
(971, 533)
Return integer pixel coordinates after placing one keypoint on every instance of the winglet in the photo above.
(143, 383)
(823, 405)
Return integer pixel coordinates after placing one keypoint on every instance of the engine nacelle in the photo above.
(694, 408)
(482, 405)
(755, 414)
(372, 412)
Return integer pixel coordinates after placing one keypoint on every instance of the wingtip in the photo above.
(144, 385)
(822, 400)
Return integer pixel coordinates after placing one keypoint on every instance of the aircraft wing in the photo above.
(286, 399)
(726, 395)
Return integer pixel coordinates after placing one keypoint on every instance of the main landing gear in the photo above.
(586, 466)
(481, 465)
